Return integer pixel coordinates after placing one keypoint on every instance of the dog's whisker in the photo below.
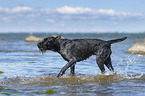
(41, 51)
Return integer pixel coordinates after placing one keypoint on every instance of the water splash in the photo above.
(39, 84)
(68, 79)
(137, 76)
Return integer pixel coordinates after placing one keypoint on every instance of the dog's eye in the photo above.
(45, 39)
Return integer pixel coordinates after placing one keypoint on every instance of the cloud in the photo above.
(20, 9)
(67, 12)
(15, 10)
(104, 14)
(63, 16)
(4, 9)
(50, 20)
(79, 10)
(117, 15)
(6, 20)
(104, 11)
(80, 13)
(31, 15)
(73, 10)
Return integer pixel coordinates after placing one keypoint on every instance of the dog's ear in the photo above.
(58, 37)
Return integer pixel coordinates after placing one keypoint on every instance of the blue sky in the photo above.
(72, 16)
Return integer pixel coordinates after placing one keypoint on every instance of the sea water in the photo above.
(27, 72)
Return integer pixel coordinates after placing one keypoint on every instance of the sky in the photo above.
(71, 16)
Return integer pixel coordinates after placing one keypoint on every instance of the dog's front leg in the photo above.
(69, 64)
(72, 68)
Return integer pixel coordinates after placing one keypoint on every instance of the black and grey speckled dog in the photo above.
(80, 49)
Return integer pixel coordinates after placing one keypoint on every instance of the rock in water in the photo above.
(49, 91)
(138, 48)
(57, 35)
(31, 38)
(1, 72)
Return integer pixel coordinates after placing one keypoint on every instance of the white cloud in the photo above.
(4, 9)
(50, 20)
(31, 15)
(73, 10)
(6, 19)
(20, 9)
(80, 10)
(104, 11)
(70, 13)
(62, 24)
(99, 14)
(15, 10)
(64, 15)
(111, 12)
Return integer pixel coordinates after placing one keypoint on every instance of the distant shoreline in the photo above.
(76, 32)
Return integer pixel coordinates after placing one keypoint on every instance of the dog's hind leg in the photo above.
(100, 63)
(109, 64)
(72, 68)
(102, 56)
(69, 64)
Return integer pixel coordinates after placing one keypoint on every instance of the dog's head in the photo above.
(49, 43)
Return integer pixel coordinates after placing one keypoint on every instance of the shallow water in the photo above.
(27, 72)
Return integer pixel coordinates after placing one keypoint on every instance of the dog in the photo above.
(78, 50)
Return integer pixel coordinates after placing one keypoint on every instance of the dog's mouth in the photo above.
(41, 49)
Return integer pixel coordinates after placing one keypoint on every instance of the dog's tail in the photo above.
(116, 40)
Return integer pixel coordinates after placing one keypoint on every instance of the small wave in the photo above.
(8, 51)
(67, 79)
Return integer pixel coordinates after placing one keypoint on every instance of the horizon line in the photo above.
(72, 32)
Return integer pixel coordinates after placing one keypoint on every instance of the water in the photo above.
(27, 72)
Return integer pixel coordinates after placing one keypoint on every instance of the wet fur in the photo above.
(80, 49)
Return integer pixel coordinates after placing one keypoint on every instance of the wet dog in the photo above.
(80, 49)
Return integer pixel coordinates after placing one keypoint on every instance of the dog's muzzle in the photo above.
(40, 47)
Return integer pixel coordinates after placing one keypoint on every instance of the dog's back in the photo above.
(81, 49)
